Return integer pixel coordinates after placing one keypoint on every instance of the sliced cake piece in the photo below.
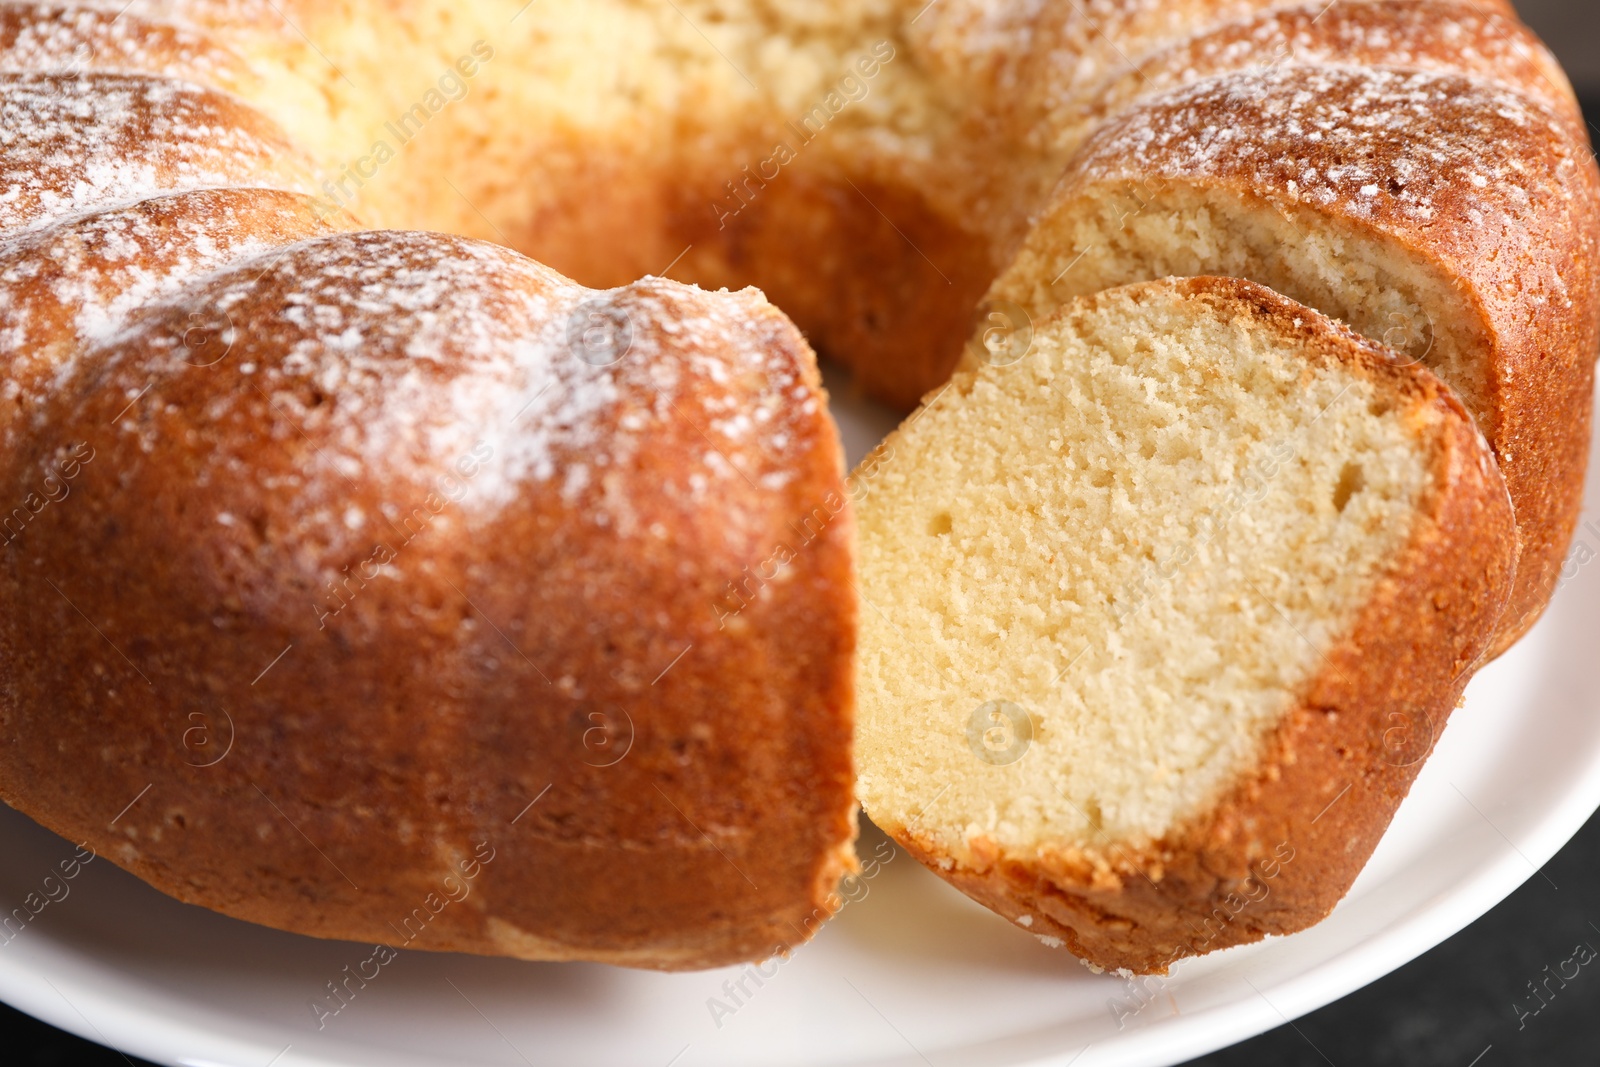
(1448, 217)
(1163, 617)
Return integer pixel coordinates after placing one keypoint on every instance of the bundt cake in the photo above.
(353, 546)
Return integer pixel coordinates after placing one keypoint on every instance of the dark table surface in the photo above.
(1467, 1003)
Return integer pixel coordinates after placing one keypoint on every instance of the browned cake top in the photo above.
(70, 38)
(1440, 35)
(69, 142)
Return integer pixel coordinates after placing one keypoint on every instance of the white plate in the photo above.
(911, 973)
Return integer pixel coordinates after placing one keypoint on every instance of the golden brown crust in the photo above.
(74, 142)
(65, 286)
(1446, 36)
(1485, 187)
(42, 36)
(419, 608)
(1277, 852)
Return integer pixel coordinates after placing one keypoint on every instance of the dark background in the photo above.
(1455, 1006)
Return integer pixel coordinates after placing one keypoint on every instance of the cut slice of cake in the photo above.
(1161, 619)
(1442, 215)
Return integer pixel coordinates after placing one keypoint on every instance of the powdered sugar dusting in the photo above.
(70, 143)
(1449, 37)
(194, 14)
(71, 40)
(105, 265)
(1370, 142)
(399, 353)
(69, 285)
